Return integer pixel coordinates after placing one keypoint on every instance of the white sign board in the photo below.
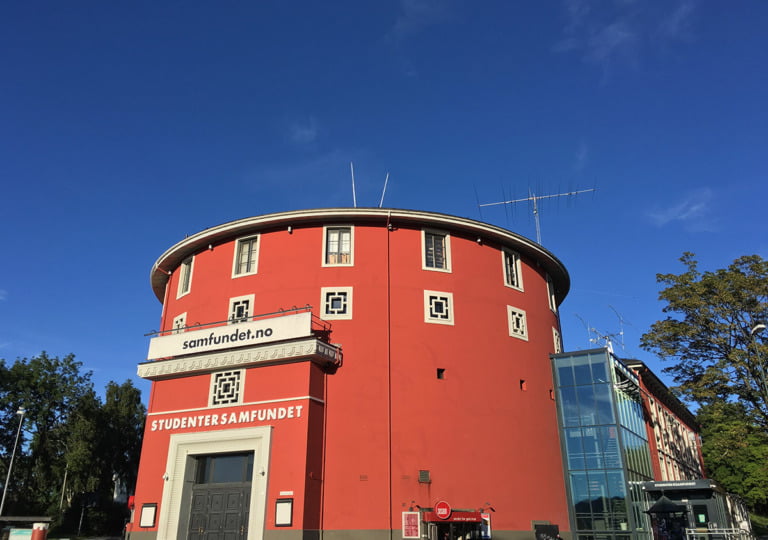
(233, 335)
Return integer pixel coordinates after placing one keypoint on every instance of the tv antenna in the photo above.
(383, 191)
(600, 337)
(354, 196)
(535, 199)
(621, 325)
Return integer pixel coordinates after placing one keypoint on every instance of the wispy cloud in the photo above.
(415, 15)
(582, 156)
(693, 211)
(303, 132)
(3, 295)
(677, 24)
(613, 33)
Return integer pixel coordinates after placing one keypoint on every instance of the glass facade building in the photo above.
(605, 445)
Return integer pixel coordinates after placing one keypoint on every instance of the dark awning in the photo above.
(456, 515)
(665, 505)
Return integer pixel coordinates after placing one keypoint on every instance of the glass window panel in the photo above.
(586, 397)
(600, 371)
(616, 489)
(581, 371)
(333, 241)
(609, 443)
(569, 406)
(604, 405)
(203, 464)
(580, 491)
(230, 468)
(592, 454)
(227, 469)
(564, 372)
(574, 449)
(597, 491)
(346, 237)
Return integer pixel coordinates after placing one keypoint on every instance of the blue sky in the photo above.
(125, 126)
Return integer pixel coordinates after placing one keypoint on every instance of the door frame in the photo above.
(184, 445)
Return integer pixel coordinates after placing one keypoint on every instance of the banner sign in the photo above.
(232, 335)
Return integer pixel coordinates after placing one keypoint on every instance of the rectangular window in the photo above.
(517, 324)
(338, 246)
(436, 251)
(185, 277)
(179, 323)
(246, 256)
(240, 309)
(512, 276)
(336, 303)
(557, 341)
(438, 307)
(551, 294)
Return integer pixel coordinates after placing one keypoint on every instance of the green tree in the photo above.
(735, 452)
(124, 416)
(713, 337)
(75, 448)
(708, 334)
(49, 388)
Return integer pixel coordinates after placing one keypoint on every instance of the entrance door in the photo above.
(220, 498)
(455, 531)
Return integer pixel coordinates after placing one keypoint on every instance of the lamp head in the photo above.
(758, 328)
(21, 411)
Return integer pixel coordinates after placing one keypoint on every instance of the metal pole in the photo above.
(63, 487)
(20, 412)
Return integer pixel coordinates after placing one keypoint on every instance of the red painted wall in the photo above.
(386, 415)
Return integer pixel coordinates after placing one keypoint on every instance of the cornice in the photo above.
(229, 231)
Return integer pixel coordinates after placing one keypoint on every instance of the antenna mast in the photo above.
(535, 199)
(354, 197)
(384, 190)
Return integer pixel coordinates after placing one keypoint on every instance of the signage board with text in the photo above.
(233, 335)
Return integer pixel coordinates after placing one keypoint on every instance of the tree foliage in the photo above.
(714, 337)
(735, 452)
(73, 445)
(712, 334)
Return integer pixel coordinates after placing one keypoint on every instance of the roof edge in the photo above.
(172, 257)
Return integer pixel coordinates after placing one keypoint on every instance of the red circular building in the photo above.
(337, 373)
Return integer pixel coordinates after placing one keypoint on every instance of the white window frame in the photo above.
(325, 314)
(551, 294)
(185, 277)
(250, 298)
(326, 255)
(447, 250)
(557, 340)
(179, 323)
(517, 267)
(428, 318)
(513, 315)
(254, 255)
(240, 392)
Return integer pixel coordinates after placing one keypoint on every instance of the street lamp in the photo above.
(20, 412)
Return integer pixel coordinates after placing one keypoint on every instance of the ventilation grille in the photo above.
(425, 477)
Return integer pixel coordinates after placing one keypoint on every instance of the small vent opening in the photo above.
(424, 477)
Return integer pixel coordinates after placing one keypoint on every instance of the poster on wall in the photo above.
(411, 525)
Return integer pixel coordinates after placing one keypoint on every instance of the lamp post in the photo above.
(20, 412)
